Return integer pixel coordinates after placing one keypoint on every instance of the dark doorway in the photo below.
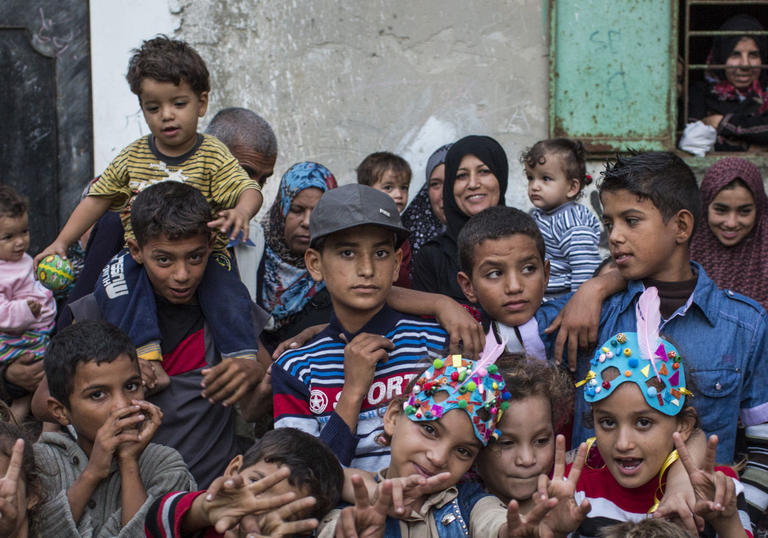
(45, 80)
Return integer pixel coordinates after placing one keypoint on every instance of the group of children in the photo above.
(139, 393)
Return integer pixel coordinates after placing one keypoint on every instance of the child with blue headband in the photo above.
(640, 405)
(435, 433)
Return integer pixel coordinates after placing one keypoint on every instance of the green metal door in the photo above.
(612, 73)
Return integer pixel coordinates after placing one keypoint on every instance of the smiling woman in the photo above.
(732, 247)
(734, 100)
(476, 172)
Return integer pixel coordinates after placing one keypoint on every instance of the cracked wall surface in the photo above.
(341, 79)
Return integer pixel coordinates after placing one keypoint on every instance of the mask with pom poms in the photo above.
(477, 387)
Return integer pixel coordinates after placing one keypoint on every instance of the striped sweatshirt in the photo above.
(571, 234)
(307, 383)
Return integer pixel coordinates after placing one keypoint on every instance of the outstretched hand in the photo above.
(567, 515)
(230, 498)
(715, 492)
(280, 522)
(466, 333)
(576, 326)
(233, 222)
(530, 524)
(409, 491)
(365, 520)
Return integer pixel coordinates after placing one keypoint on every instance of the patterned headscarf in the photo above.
(490, 152)
(722, 47)
(287, 284)
(741, 267)
(418, 217)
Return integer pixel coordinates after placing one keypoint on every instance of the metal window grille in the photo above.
(689, 33)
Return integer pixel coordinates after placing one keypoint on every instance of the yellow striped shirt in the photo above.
(209, 167)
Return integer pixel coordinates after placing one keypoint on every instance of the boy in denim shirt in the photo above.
(650, 207)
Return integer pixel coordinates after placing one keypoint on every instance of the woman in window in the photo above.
(734, 100)
(733, 246)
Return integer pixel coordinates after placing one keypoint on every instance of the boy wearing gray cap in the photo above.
(368, 350)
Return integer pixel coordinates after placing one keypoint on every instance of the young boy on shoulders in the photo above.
(102, 473)
(368, 350)
(171, 249)
(283, 485)
(172, 83)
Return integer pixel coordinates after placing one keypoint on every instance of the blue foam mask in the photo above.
(643, 358)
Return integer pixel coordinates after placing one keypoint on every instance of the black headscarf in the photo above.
(487, 150)
(722, 46)
(418, 217)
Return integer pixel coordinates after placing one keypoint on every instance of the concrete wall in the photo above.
(116, 28)
(340, 79)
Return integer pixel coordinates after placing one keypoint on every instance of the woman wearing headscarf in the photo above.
(734, 100)
(733, 245)
(424, 216)
(476, 172)
(284, 287)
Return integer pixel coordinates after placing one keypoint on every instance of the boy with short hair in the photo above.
(313, 476)
(368, 349)
(171, 250)
(504, 269)
(390, 174)
(172, 84)
(651, 205)
(103, 479)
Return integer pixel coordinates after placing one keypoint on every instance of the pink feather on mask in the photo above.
(488, 356)
(648, 321)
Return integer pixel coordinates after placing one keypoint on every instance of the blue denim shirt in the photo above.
(722, 338)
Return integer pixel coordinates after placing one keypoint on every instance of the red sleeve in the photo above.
(164, 517)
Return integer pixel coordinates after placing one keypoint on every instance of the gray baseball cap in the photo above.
(354, 205)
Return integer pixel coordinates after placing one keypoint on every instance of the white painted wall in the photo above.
(339, 79)
(116, 28)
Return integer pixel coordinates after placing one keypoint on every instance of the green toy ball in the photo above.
(55, 272)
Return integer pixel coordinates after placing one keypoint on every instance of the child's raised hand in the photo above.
(360, 358)
(530, 524)
(152, 418)
(121, 426)
(407, 492)
(232, 222)
(365, 520)
(57, 247)
(466, 333)
(281, 522)
(715, 492)
(567, 515)
(229, 498)
(9, 510)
